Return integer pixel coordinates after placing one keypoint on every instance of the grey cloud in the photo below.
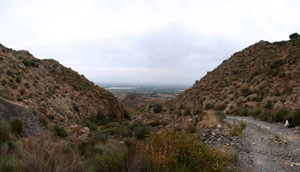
(169, 55)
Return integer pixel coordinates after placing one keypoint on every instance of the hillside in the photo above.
(264, 73)
(57, 94)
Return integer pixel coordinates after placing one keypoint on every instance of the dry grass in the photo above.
(209, 120)
(169, 151)
(45, 154)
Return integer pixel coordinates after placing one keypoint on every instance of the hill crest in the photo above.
(59, 93)
(252, 77)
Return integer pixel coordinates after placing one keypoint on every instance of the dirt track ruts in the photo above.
(261, 151)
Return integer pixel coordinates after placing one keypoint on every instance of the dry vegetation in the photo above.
(260, 81)
(115, 146)
(57, 92)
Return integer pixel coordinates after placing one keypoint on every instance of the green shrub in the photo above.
(32, 62)
(18, 79)
(16, 126)
(157, 108)
(43, 121)
(269, 105)
(100, 117)
(294, 36)
(276, 64)
(246, 91)
(126, 115)
(27, 85)
(191, 128)
(187, 111)
(60, 131)
(4, 131)
(296, 117)
(220, 107)
(4, 82)
(110, 160)
(287, 90)
(170, 151)
(141, 132)
(75, 107)
(6, 94)
(237, 129)
(209, 106)
(9, 73)
(88, 123)
(255, 113)
(279, 116)
(243, 111)
(91, 125)
(10, 163)
(257, 99)
(290, 117)
(220, 115)
(265, 115)
(100, 137)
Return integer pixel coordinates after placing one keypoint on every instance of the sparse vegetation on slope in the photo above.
(49, 88)
(263, 76)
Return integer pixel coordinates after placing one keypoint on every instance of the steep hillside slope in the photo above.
(264, 73)
(52, 89)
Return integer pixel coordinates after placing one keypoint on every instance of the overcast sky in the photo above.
(144, 41)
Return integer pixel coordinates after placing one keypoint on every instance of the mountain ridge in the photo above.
(58, 92)
(251, 77)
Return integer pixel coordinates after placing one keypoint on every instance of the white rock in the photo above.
(286, 123)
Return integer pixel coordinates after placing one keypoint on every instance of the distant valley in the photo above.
(147, 91)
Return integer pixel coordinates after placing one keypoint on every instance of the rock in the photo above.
(219, 127)
(203, 138)
(84, 133)
(213, 133)
(83, 137)
(286, 123)
(85, 130)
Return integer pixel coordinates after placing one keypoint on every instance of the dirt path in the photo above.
(268, 146)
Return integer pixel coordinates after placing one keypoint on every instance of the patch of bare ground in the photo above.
(267, 146)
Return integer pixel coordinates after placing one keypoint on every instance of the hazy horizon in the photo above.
(161, 42)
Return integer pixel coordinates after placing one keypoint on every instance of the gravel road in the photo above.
(267, 147)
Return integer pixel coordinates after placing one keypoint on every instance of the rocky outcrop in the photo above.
(29, 117)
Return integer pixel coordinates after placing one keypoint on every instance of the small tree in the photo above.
(60, 131)
(269, 105)
(157, 108)
(16, 126)
(294, 36)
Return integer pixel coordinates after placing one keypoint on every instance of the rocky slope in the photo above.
(45, 86)
(260, 73)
